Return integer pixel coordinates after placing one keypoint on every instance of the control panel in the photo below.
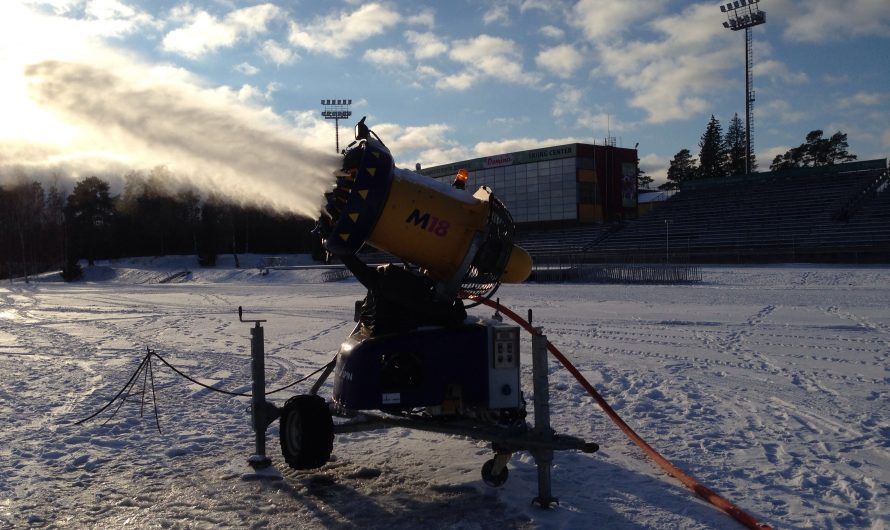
(503, 367)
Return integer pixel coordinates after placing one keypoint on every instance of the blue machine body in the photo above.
(442, 366)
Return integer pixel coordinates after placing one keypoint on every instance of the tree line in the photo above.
(723, 155)
(49, 229)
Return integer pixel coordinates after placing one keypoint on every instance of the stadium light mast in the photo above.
(745, 14)
(336, 109)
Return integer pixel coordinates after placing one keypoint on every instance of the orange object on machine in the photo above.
(460, 180)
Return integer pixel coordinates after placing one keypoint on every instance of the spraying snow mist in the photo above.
(202, 135)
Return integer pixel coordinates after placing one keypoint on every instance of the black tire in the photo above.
(492, 480)
(306, 432)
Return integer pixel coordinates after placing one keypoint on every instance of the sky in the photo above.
(233, 88)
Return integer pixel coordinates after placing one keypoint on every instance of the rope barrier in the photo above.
(149, 374)
(702, 491)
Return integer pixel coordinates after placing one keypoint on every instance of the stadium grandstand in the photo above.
(838, 213)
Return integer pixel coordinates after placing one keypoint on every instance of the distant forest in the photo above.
(47, 229)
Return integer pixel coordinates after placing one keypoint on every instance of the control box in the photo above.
(503, 366)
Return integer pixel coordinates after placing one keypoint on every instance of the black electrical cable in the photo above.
(132, 377)
(332, 361)
(240, 394)
(149, 374)
(208, 387)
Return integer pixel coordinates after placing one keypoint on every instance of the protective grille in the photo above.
(483, 277)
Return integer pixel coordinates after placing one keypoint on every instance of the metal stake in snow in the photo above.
(258, 404)
(541, 385)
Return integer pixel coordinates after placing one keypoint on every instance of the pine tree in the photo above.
(89, 213)
(815, 151)
(734, 144)
(712, 155)
(682, 168)
(837, 149)
(643, 180)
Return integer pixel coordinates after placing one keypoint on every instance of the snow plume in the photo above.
(135, 118)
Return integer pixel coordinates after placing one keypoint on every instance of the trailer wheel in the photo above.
(494, 480)
(306, 432)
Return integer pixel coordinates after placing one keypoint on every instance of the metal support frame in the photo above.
(258, 398)
(745, 15)
(749, 98)
(262, 413)
(514, 438)
(541, 386)
(336, 109)
(540, 440)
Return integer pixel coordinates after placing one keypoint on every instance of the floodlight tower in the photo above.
(745, 14)
(336, 109)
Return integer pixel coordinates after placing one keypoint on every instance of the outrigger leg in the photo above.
(543, 456)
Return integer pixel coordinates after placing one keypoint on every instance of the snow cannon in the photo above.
(460, 240)
(416, 359)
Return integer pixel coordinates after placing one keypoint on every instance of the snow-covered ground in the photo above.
(768, 384)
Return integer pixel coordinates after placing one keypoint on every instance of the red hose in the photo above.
(705, 493)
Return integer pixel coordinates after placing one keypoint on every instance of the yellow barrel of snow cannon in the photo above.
(448, 232)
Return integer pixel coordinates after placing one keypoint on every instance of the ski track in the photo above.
(776, 402)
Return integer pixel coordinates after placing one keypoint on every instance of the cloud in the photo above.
(656, 167)
(766, 156)
(246, 69)
(435, 156)
(885, 139)
(204, 33)
(601, 19)
(670, 76)
(427, 71)
(513, 145)
(819, 21)
(335, 34)
(107, 18)
(601, 122)
(836, 79)
(543, 5)
(509, 122)
(23, 41)
(427, 18)
(779, 110)
(277, 54)
(778, 71)
(59, 7)
(120, 19)
(552, 32)
(431, 143)
(412, 138)
(459, 81)
(496, 14)
(863, 99)
(566, 101)
(250, 94)
(426, 45)
(561, 60)
(390, 57)
(486, 56)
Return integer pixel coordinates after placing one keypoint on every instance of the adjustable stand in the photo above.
(543, 455)
(262, 413)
